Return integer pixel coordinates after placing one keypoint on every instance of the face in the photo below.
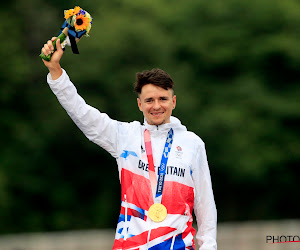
(156, 104)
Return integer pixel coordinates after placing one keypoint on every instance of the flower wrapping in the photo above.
(78, 23)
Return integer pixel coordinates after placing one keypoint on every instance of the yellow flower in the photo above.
(69, 13)
(81, 23)
(76, 10)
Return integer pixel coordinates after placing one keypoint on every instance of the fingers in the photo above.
(58, 46)
(48, 47)
(54, 49)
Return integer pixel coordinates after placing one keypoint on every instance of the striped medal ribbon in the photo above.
(157, 212)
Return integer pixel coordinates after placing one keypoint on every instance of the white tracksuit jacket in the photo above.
(187, 184)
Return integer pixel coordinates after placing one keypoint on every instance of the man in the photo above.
(163, 168)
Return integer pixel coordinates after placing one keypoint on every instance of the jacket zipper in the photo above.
(125, 224)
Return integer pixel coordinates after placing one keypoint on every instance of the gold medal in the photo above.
(157, 212)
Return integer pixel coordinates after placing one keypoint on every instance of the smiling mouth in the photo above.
(157, 114)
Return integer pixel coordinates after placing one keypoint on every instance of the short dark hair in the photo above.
(156, 76)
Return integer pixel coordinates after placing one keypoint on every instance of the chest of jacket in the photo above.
(178, 190)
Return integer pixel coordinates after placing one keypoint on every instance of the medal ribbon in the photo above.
(157, 185)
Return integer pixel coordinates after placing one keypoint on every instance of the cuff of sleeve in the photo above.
(60, 79)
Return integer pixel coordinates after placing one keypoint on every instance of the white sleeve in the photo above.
(204, 204)
(96, 126)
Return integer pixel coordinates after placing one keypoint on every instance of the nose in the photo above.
(156, 105)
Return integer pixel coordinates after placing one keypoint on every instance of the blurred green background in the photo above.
(236, 69)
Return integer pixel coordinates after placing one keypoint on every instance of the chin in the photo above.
(158, 122)
(151, 122)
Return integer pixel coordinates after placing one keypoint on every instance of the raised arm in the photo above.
(96, 126)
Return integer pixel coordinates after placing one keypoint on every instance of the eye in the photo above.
(148, 100)
(164, 98)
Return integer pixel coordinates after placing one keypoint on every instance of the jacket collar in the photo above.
(174, 123)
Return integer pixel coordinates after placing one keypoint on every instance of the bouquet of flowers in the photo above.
(78, 23)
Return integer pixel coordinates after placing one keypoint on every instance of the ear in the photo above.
(174, 101)
(139, 104)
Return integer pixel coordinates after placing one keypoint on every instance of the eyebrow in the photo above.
(148, 99)
(151, 98)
